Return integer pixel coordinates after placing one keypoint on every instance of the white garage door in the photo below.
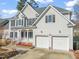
(61, 43)
(42, 42)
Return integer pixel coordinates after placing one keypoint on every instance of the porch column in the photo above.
(15, 23)
(13, 35)
(9, 28)
(19, 36)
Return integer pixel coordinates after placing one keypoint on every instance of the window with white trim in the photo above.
(12, 22)
(20, 22)
(30, 34)
(50, 18)
(15, 34)
(22, 34)
(11, 34)
(26, 34)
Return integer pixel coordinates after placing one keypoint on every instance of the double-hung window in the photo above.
(30, 34)
(22, 34)
(50, 18)
(20, 22)
(26, 34)
(11, 34)
(15, 34)
(12, 22)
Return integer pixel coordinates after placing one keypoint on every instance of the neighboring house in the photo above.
(48, 27)
(4, 28)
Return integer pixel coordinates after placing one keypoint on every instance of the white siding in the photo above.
(30, 12)
(60, 25)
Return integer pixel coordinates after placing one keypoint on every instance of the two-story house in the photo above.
(45, 27)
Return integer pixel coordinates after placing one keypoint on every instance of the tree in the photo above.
(76, 11)
(21, 4)
(33, 3)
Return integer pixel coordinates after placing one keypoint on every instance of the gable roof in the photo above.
(41, 9)
(63, 11)
(44, 12)
(26, 4)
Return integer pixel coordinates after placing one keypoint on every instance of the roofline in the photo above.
(50, 6)
(24, 8)
(31, 27)
(40, 16)
(4, 23)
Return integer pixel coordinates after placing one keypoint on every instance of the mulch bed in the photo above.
(8, 53)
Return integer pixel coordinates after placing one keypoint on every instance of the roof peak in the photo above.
(62, 10)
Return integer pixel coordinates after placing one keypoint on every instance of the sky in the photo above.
(8, 7)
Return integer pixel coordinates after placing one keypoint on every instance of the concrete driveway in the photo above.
(38, 53)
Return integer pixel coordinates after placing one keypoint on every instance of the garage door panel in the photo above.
(57, 43)
(42, 42)
(61, 43)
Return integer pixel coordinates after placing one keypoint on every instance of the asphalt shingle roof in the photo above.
(3, 22)
(40, 10)
(62, 10)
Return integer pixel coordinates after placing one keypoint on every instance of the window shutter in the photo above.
(46, 19)
(22, 22)
(16, 22)
(25, 22)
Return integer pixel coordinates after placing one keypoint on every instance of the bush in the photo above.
(76, 42)
(76, 38)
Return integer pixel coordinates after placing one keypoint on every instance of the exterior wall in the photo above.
(6, 31)
(5, 34)
(30, 12)
(68, 16)
(59, 28)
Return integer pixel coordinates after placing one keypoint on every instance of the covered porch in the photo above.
(25, 35)
(22, 35)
